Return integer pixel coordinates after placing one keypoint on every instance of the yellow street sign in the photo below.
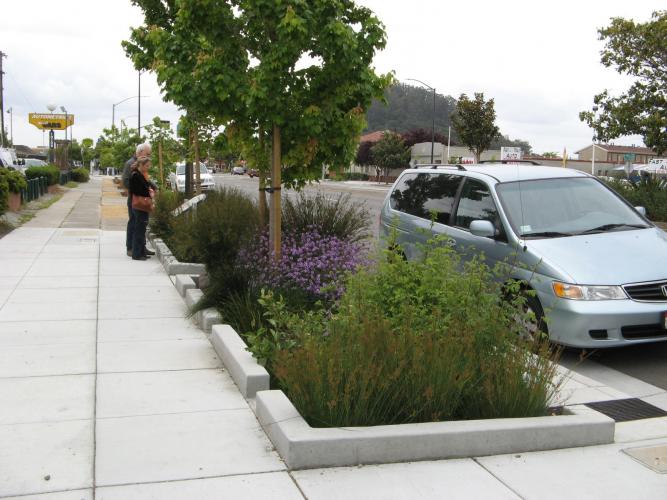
(50, 121)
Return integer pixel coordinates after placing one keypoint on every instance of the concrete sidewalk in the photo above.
(107, 392)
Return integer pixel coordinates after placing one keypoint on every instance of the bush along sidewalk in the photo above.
(11, 185)
(355, 342)
(419, 341)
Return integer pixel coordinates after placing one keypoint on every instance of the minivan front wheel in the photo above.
(533, 324)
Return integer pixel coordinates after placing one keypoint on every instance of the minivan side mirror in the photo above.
(641, 210)
(483, 228)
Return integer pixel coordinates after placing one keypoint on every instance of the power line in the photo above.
(2, 103)
(9, 74)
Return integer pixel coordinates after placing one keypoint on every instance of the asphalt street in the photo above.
(646, 362)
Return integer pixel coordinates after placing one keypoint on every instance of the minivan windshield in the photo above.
(552, 208)
(180, 169)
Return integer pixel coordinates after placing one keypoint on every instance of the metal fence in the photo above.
(36, 188)
(65, 177)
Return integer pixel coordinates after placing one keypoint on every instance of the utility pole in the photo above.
(2, 103)
(139, 107)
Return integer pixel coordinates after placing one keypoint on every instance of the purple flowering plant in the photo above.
(311, 264)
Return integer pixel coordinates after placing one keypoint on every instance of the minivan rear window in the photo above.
(423, 194)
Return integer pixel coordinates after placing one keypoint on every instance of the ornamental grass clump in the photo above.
(338, 216)
(427, 340)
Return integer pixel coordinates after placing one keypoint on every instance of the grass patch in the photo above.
(72, 184)
(27, 217)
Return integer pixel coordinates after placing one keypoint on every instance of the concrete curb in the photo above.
(305, 447)
(183, 283)
(248, 375)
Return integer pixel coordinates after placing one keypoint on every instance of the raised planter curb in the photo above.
(183, 283)
(305, 447)
(209, 318)
(173, 266)
(249, 376)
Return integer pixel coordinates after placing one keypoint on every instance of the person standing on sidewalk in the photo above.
(142, 150)
(140, 187)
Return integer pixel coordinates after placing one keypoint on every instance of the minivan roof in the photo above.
(507, 173)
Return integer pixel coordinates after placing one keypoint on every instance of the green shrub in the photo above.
(648, 193)
(340, 216)
(51, 172)
(15, 180)
(355, 176)
(162, 221)
(213, 235)
(80, 175)
(412, 342)
(4, 193)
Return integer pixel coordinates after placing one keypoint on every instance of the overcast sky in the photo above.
(539, 61)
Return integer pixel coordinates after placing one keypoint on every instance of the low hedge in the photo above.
(80, 175)
(355, 176)
(51, 172)
(15, 180)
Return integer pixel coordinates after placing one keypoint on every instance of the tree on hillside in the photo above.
(638, 50)
(475, 123)
(294, 75)
(406, 107)
(389, 153)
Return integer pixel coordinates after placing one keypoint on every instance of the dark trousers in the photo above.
(139, 234)
(130, 222)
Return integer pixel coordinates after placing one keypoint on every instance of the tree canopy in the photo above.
(640, 51)
(299, 73)
(475, 123)
(390, 152)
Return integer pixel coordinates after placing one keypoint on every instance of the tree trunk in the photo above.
(274, 213)
(159, 159)
(195, 140)
(262, 184)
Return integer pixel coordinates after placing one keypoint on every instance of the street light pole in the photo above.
(433, 115)
(139, 107)
(11, 125)
(113, 107)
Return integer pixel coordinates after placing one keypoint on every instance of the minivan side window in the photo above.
(425, 193)
(476, 203)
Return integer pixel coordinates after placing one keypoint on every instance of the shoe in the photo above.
(143, 257)
(129, 253)
(148, 252)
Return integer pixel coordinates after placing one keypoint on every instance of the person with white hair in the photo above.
(142, 150)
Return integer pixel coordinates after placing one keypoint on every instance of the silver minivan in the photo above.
(597, 265)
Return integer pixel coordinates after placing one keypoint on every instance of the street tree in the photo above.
(475, 123)
(638, 50)
(115, 147)
(165, 149)
(390, 152)
(297, 73)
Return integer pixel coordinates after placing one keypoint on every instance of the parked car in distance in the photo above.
(33, 162)
(596, 264)
(177, 179)
(238, 170)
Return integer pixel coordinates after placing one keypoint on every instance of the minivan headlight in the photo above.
(587, 292)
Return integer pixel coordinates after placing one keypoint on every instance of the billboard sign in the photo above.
(51, 121)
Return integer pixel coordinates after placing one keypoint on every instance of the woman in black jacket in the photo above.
(140, 186)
